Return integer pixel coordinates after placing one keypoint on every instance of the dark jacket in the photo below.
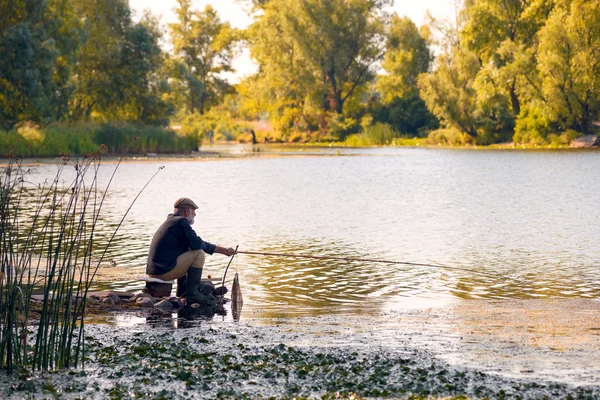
(174, 237)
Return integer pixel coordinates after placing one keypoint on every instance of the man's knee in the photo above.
(199, 257)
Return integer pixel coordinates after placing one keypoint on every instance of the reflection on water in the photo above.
(530, 219)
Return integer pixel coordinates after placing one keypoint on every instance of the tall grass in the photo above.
(47, 245)
(51, 140)
(378, 134)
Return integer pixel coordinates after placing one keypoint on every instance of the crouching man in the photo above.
(177, 252)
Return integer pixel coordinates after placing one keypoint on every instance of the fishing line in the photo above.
(375, 260)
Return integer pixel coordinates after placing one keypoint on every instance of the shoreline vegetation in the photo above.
(31, 141)
(77, 75)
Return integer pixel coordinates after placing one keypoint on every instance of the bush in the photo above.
(564, 139)
(532, 127)
(376, 135)
(452, 137)
(339, 126)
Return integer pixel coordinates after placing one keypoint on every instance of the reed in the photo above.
(47, 246)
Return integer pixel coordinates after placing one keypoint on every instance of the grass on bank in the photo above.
(33, 141)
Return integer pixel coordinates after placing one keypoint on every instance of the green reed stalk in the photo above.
(47, 242)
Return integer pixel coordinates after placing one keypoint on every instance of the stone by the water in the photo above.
(176, 302)
(145, 302)
(164, 304)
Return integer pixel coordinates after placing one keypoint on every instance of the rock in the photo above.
(207, 282)
(164, 304)
(158, 289)
(115, 299)
(145, 302)
(585, 141)
(176, 302)
(142, 295)
(107, 300)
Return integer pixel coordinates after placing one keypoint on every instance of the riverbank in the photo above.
(231, 150)
(407, 354)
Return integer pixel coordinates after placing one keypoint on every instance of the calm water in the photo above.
(531, 218)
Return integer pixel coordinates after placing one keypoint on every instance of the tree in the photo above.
(340, 40)
(204, 47)
(97, 77)
(407, 56)
(569, 65)
(508, 37)
(119, 74)
(284, 84)
(449, 93)
(314, 57)
(27, 57)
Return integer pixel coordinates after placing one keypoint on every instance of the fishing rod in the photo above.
(227, 269)
(375, 260)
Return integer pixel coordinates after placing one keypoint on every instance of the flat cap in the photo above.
(184, 202)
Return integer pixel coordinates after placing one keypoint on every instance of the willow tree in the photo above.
(503, 35)
(204, 48)
(569, 65)
(449, 90)
(30, 49)
(313, 56)
(340, 40)
(283, 84)
(407, 56)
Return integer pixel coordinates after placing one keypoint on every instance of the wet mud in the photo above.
(497, 350)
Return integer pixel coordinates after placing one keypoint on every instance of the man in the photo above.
(176, 251)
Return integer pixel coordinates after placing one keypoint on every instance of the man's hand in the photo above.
(226, 251)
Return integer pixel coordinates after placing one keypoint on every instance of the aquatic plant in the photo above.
(47, 246)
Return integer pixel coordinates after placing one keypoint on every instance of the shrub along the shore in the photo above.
(29, 140)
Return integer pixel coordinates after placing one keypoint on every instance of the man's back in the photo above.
(174, 237)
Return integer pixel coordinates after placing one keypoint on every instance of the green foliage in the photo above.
(408, 115)
(27, 54)
(522, 69)
(29, 140)
(46, 241)
(204, 48)
(378, 134)
(569, 65)
(216, 124)
(449, 92)
(118, 138)
(314, 57)
(119, 68)
(407, 56)
(532, 126)
(450, 136)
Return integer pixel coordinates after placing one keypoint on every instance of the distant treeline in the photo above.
(328, 70)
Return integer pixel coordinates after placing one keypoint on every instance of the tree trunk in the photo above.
(334, 101)
(514, 99)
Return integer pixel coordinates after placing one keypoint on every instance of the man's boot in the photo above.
(181, 286)
(192, 285)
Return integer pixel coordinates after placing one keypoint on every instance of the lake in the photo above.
(528, 219)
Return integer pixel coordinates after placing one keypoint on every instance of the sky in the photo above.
(232, 11)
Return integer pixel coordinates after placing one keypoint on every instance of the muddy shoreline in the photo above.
(402, 354)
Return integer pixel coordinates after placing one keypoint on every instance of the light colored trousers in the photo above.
(189, 259)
